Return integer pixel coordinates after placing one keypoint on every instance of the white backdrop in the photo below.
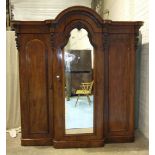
(42, 9)
(12, 85)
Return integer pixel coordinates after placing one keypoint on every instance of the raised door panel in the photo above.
(37, 86)
(120, 113)
(36, 93)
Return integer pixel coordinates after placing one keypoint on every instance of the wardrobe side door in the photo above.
(121, 87)
(36, 82)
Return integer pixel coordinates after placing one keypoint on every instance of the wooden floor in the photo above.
(139, 147)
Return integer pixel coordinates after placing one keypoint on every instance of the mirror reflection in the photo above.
(79, 83)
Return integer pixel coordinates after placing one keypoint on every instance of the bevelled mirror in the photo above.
(78, 83)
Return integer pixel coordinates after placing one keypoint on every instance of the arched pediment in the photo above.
(77, 13)
(84, 11)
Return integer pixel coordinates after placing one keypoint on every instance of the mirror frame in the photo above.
(66, 21)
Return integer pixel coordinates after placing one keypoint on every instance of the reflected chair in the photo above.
(86, 89)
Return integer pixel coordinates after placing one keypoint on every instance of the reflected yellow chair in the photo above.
(86, 89)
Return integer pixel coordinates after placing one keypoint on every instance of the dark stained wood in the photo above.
(35, 94)
(79, 144)
(37, 141)
(40, 45)
(37, 84)
(119, 83)
(62, 32)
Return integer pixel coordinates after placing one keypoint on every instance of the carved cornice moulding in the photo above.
(71, 15)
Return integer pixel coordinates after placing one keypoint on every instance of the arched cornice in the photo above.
(74, 17)
(75, 11)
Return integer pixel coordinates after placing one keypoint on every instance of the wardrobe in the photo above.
(41, 48)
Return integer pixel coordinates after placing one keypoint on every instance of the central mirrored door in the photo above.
(78, 55)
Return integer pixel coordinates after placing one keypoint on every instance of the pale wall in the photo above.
(136, 10)
(42, 9)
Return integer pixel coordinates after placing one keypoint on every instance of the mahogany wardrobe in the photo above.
(46, 63)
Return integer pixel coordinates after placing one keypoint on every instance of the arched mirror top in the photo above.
(79, 26)
(79, 39)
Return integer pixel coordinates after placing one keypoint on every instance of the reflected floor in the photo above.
(77, 131)
(80, 117)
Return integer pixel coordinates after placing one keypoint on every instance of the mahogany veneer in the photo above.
(42, 95)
